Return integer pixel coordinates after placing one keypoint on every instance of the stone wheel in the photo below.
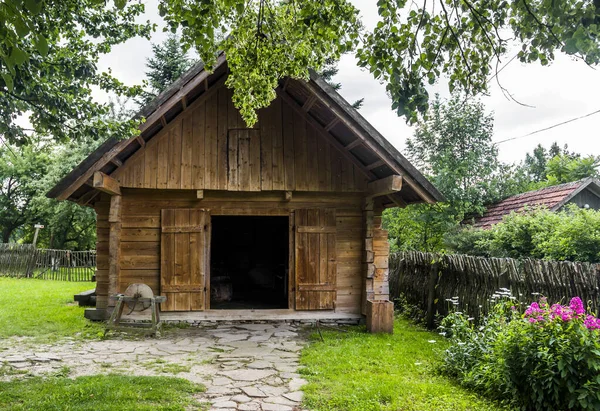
(137, 291)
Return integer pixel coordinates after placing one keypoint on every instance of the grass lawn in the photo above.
(43, 309)
(356, 371)
(99, 392)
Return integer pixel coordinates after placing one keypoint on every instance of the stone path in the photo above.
(246, 367)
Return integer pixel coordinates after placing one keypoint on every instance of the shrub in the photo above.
(572, 234)
(545, 358)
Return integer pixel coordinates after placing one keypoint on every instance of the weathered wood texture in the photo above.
(208, 147)
(429, 280)
(141, 233)
(114, 245)
(316, 263)
(376, 253)
(24, 260)
(380, 317)
(184, 258)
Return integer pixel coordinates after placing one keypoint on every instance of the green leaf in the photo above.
(33, 6)
(41, 45)
(21, 27)
(8, 80)
(120, 3)
(18, 56)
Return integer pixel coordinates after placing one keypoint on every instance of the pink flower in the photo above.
(592, 322)
(577, 306)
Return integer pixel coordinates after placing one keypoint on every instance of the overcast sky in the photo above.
(565, 90)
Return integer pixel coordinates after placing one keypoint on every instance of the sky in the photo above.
(562, 91)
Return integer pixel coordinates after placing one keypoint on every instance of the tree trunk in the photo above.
(6, 234)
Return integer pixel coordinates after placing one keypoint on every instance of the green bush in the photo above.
(572, 234)
(545, 358)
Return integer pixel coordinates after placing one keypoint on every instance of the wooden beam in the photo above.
(376, 164)
(353, 144)
(87, 197)
(206, 84)
(141, 141)
(116, 162)
(332, 124)
(309, 103)
(163, 121)
(288, 196)
(184, 102)
(397, 201)
(319, 128)
(199, 194)
(385, 186)
(106, 184)
(114, 245)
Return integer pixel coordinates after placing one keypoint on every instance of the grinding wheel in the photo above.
(138, 290)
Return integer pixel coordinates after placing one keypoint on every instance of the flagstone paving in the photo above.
(245, 367)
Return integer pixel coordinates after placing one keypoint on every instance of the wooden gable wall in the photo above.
(209, 147)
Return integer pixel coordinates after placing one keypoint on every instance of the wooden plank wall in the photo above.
(209, 147)
(140, 235)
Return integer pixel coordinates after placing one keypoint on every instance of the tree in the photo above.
(535, 163)
(49, 51)
(21, 168)
(454, 148)
(26, 172)
(412, 45)
(557, 166)
(564, 169)
(168, 62)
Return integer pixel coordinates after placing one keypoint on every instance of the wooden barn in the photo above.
(282, 220)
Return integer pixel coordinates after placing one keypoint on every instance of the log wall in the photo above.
(141, 228)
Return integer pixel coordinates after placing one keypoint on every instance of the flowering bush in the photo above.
(543, 357)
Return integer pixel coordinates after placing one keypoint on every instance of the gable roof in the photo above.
(552, 198)
(322, 106)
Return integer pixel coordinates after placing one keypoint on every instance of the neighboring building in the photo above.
(584, 193)
(282, 220)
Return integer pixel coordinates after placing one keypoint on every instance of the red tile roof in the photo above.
(549, 197)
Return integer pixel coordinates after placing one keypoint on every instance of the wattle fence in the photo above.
(24, 260)
(429, 280)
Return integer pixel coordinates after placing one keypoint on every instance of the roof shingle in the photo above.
(549, 197)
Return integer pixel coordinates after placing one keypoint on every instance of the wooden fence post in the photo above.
(431, 294)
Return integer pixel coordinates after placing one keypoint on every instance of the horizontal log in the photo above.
(197, 229)
(316, 229)
(385, 186)
(316, 287)
(182, 288)
(106, 184)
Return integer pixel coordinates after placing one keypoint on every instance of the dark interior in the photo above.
(249, 263)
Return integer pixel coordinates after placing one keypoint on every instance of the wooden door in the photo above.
(185, 246)
(315, 265)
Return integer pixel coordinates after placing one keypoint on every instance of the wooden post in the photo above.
(431, 297)
(114, 246)
(380, 317)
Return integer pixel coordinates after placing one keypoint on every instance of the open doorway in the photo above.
(249, 262)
